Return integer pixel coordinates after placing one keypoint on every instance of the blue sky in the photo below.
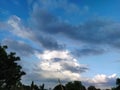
(66, 39)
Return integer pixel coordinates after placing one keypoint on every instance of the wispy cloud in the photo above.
(17, 27)
(20, 30)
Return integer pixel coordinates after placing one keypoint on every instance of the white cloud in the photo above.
(101, 80)
(48, 55)
(18, 28)
(59, 64)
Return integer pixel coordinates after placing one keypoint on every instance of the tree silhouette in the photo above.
(32, 85)
(92, 88)
(118, 84)
(76, 85)
(10, 71)
(42, 86)
(58, 87)
(69, 86)
(118, 81)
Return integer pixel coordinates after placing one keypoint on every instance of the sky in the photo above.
(65, 39)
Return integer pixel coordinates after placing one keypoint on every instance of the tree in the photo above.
(76, 85)
(36, 87)
(42, 86)
(32, 85)
(92, 88)
(10, 71)
(118, 84)
(59, 87)
(69, 86)
(118, 81)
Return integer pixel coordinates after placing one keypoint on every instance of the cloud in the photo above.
(48, 55)
(47, 26)
(96, 32)
(88, 51)
(20, 30)
(66, 67)
(64, 6)
(48, 42)
(99, 32)
(53, 65)
(20, 47)
(102, 78)
(102, 81)
(46, 22)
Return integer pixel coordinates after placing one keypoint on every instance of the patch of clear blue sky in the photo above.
(3, 34)
(108, 8)
(14, 7)
(105, 8)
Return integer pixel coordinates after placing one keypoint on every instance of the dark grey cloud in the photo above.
(95, 32)
(87, 51)
(42, 19)
(98, 31)
(57, 59)
(20, 48)
(48, 42)
(74, 69)
(71, 68)
(46, 22)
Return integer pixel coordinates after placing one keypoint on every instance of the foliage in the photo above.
(10, 71)
(92, 88)
(118, 81)
(76, 85)
(59, 87)
(118, 84)
(42, 87)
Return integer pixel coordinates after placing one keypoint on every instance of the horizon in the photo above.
(65, 39)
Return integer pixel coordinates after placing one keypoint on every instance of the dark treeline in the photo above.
(11, 73)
